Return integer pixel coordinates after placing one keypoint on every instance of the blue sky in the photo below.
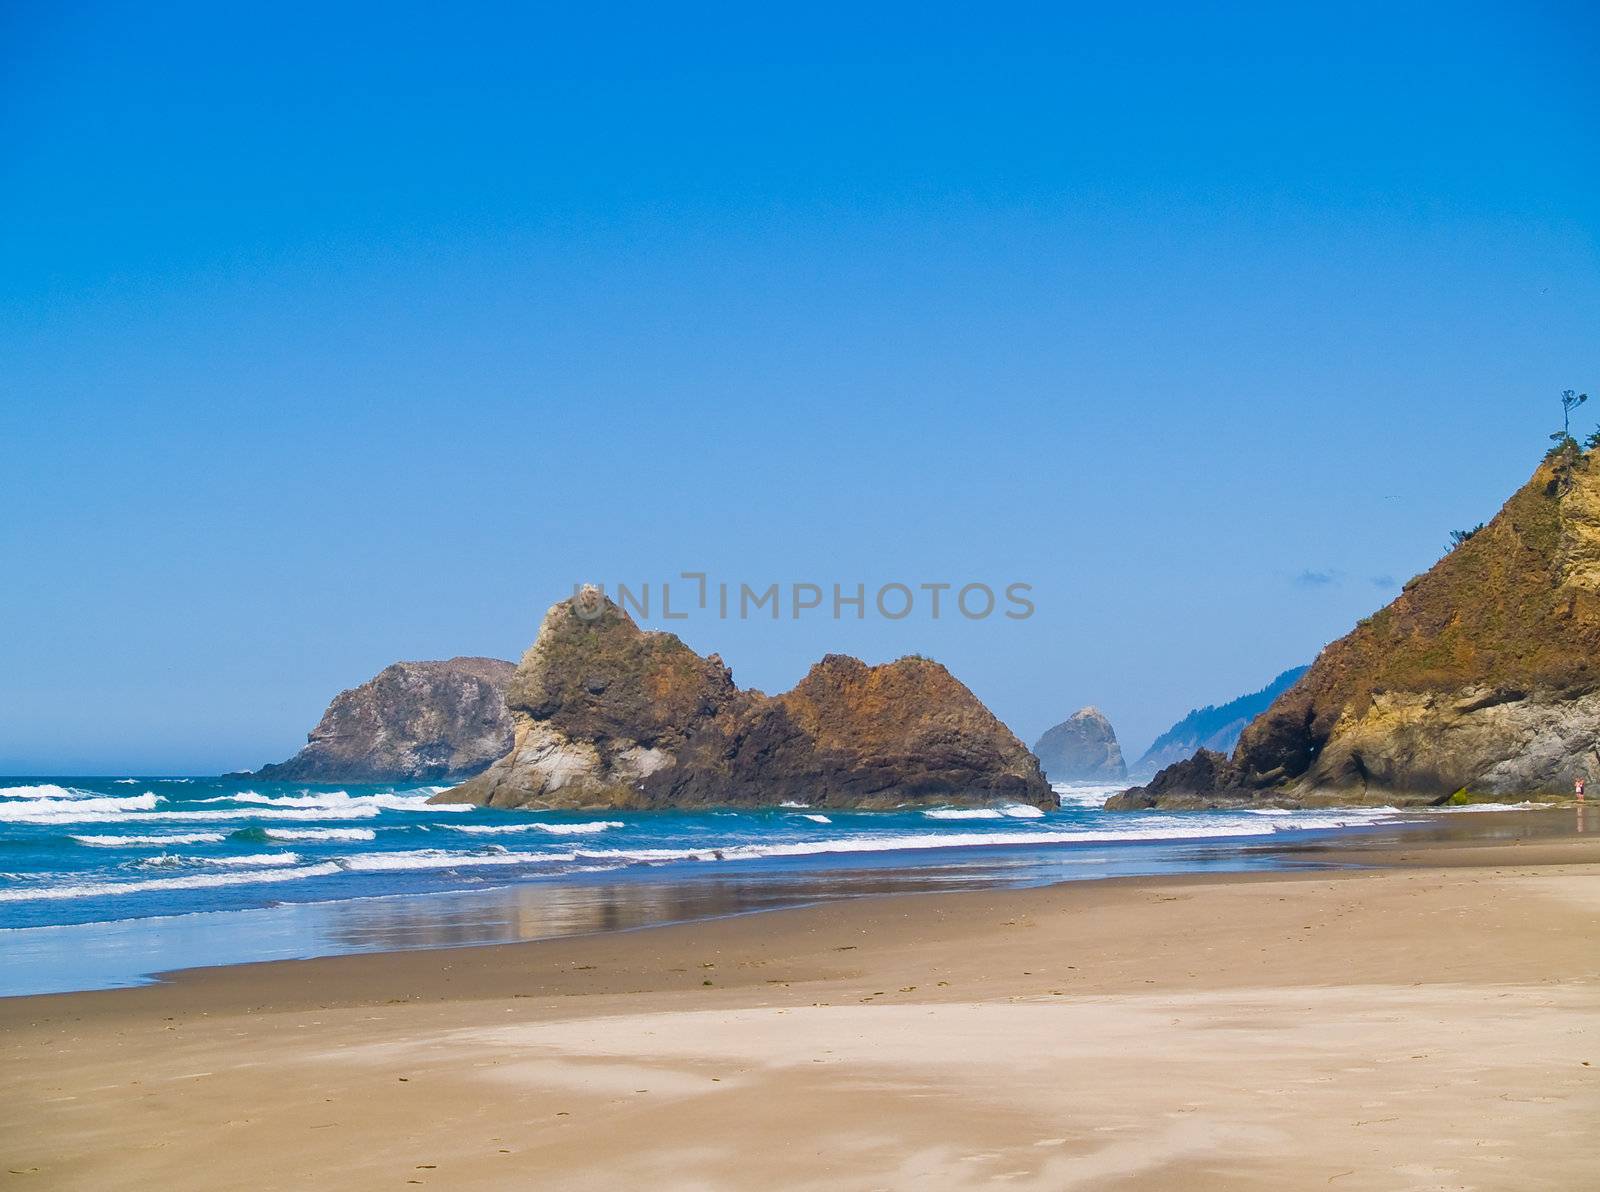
(333, 338)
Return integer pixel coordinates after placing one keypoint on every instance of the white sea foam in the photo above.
(318, 834)
(187, 882)
(792, 803)
(48, 810)
(1086, 794)
(177, 860)
(284, 858)
(158, 841)
(129, 781)
(47, 790)
(1011, 811)
(341, 800)
(1490, 807)
(1150, 830)
(817, 819)
(101, 811)
(438, 858)
(585, 829)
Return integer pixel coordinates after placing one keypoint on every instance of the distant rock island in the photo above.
(1213, 727)
(608, 715)
(1482, 677)
(413, 721)
(1082, 748)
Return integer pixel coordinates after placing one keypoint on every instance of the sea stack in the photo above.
(607, 715)
(1482, 676)
(413, 721)
(1082, 748)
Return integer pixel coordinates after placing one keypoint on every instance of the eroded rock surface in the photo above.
(607, 715)
(424, 721)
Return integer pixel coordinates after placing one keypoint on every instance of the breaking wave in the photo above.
(159, 841)
(308, 835)
(588, 829)
(1015, 811)
(175, 860)
(187, 882)
(46, 809)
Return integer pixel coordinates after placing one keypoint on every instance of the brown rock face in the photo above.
(414, 721)
(1483, 675)
(606, 715)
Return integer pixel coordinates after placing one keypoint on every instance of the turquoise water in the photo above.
(104, 880)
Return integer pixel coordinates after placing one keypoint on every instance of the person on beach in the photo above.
(1577, 788)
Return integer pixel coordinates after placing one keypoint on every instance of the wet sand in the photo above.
(1433, 1023)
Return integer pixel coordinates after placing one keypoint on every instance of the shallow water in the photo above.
(104, 881)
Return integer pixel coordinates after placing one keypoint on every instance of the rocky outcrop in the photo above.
(1213, 727)
(607, 715)
(1483, 676)
(414, 721)
(1082, 748)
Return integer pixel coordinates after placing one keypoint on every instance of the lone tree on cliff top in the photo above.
(1570, 401)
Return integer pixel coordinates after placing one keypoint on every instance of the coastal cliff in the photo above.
(608, 715)
(1482, 677)
(413, 721)
(1082, 748)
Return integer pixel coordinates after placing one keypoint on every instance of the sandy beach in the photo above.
(1429, 1023)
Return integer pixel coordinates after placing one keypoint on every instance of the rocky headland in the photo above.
(605, 714)
(1482, 678)
(1082, 748)
(413, 721)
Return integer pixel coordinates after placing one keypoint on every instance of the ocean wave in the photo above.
(341, 800)
(1489, 807)
(188, 882)
(159, 841)
(45, 790)
(85, 811)
(48, 810)
(1013, 811)
(1089, 795)
(316, 834)
(949, 840)
(179, 860)
(586, 829)
(817, 819)
(437, 858)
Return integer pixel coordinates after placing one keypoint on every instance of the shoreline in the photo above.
(135, 950)
(537, 910)
(1430, 1008)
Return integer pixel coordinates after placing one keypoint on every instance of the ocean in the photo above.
(106, 881)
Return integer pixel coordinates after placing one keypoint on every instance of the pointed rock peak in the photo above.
(608, 714)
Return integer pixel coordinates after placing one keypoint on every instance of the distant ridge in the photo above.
(1215, 727)
(1482, 678)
